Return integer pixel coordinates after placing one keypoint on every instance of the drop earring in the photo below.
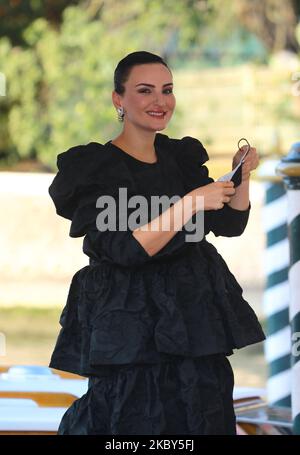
(120, 113)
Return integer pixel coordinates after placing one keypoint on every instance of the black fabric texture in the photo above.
(187, 396)
(157, 316)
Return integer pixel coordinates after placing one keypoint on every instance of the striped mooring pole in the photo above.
(277, 346)
(289, 169)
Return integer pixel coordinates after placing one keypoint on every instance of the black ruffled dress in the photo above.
(152, 333)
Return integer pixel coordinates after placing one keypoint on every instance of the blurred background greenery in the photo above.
(58, 59)
(236, 73)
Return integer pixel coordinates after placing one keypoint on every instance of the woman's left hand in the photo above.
(250, 162)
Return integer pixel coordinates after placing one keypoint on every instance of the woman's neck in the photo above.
(137, 146)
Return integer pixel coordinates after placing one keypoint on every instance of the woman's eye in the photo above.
(147, 90)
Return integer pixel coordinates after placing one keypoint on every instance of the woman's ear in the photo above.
(116, 99)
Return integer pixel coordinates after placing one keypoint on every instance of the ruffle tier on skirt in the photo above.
(190, 306)
(187, 396)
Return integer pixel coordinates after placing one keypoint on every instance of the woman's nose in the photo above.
(159, 100)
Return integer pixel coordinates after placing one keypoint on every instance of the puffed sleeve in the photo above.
(191, 156)
(86, 172)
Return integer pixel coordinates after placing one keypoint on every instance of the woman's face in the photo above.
(148, 89)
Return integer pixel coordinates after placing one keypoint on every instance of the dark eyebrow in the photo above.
(150, 85)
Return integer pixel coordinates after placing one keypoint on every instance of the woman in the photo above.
(152, 318)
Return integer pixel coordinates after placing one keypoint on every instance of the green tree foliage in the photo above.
(272, 21)
(59, 73)
(59, 86)
(17, 15)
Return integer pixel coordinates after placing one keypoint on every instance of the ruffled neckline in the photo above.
(126, 155)
(88, 171)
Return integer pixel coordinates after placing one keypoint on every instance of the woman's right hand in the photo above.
(215, 194)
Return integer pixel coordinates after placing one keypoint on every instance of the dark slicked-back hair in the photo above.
(125, 65)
